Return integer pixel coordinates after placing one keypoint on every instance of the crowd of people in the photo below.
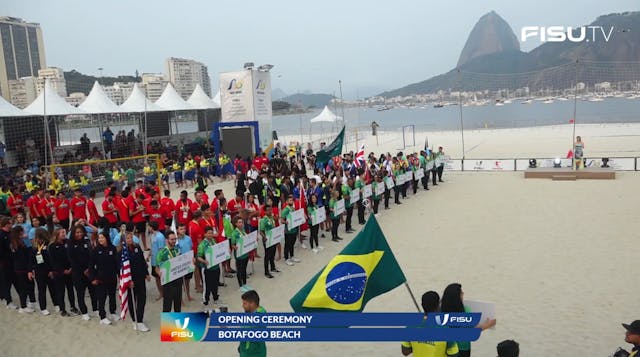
(69, 245)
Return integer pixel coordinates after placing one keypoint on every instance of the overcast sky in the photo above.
(370, 45)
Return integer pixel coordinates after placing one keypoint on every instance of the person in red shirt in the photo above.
(139, 188)
(215, 203)
(94, 216)
(15, 202)
(46, 205)
(32, 204)
(109, 209)
(235, 206)
(123, 206)
(137, 211)
(198, 202)
(62, 208)
(111, 187)
(78, 206)
(197, 234)
(184, 214)
(168, 208)
(155, 215)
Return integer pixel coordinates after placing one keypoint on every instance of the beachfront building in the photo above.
(154, 84)
(55, 77)
(119, 91)
(21, 51)
(185, 74)
(22, 91)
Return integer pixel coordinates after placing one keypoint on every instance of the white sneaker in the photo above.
(315, 250)
(86, 317)
(295, 260)
(25, 310)
(288, 262)
(105, 321)
(304, 246)
(142, 327)
(11, 306)
(135, 326)
(45, 312)
(56, 308)
(113, 317)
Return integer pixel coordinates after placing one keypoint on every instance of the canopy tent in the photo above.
(8, 110)
(50, 103)
(138, 103)
(216, 100)
(200, 100)
(171, 101)
(326, 116)
(98, 103)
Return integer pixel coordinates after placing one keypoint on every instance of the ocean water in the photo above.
(514, 115)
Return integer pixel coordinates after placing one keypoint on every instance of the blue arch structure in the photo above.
(215, 134)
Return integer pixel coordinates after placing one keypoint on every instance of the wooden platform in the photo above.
(567, 174)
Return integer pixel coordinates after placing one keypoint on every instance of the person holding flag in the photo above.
(133, 274)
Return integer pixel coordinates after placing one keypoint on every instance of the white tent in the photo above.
(8, 110)
(326, 116)
(171, 101)
(200, 100)
(50, 103)
(138, 103)
(216, 100)
(98, 103)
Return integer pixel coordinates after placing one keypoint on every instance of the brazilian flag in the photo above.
(363, 270)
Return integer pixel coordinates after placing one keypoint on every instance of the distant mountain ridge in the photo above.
(501, 57)
(308, 100)
(490, 35)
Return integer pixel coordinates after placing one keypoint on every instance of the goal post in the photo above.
(98, 174)
(408, 136)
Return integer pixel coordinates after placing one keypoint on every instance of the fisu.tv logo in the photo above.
(566, 33)
(182, 327)
(235, 84)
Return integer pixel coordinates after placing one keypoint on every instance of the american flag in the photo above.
(125, 283)
(359, 159)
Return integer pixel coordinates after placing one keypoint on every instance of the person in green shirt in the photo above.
(241, 261)
(211, 274)
(172, 291)
(359, 184)
(290, 234)
(423, 167)
(251, 305)
(376, 198)
(311, 209)
(267, 223)
(335, 218)
(131, 177)
(346, 195)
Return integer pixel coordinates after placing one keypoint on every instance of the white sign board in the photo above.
(419, 174)
(236, 96)
(275, 236)
(318, 216)
(218, 253)
(295, 219)
(379, 188)
(177, 267)
(487, 309)
(339, 209)
(388, 181)
(367, 191)
(247, 243)
(354, 196)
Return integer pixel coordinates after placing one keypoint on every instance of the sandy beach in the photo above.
(557, 259)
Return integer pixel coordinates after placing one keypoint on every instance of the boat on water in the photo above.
(548, 101)
(562, 99)
(596, 99)
(499, 104)
(438, 105)
(527, 101)
(508, 101)
(381, 109)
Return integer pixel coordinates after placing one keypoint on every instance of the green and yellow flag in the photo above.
(363, 270)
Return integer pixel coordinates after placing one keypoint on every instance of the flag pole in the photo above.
(412, 296)
(135, 316)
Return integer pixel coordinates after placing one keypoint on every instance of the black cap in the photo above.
(633, 328)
